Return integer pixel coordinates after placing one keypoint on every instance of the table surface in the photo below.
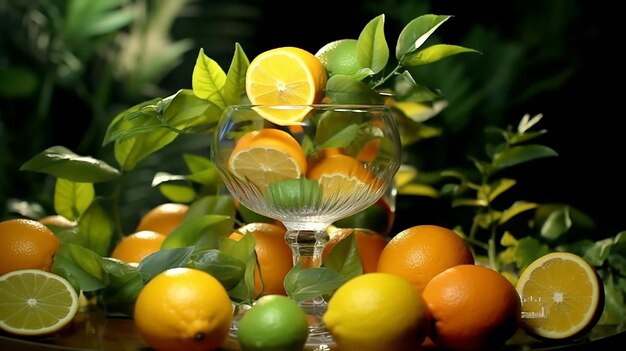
(94, 331)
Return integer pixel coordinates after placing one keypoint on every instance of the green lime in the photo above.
(274, 323)
(339, 57)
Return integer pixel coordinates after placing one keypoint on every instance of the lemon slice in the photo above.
(267, 156)
(562, 296)
(35, 302)
(285, 76)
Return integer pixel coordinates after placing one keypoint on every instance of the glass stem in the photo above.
(307, 246)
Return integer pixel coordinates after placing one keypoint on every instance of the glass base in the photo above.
(319, 338)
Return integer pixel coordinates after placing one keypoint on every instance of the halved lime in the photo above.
(35, 302)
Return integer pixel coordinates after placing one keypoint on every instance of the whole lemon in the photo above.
(183, 309)
(339, 57)
(274, 323)
(377, 311)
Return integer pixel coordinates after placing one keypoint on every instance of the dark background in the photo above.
(559, 58)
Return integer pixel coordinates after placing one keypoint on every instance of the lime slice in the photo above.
(35, 302)
(562, 296)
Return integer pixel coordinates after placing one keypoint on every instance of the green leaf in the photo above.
(342, 89)
(96, 229)
(614, 305)
(60, 162)
(529, 249)
(416, 32)
(520, 154)
(469, 202)
(557, 224)
(208, 79)
(183, 193)
(498, 187)
(305, 284)
(372, 48)
(244, 251)
(599, 252)
(343, 138)
(225, 268)
(163, 260)
(344, 258)
(235, 85)
(515, 209)
(432, 54)
(124, 283)
(486, 219)
(72, 199)
(133, 121)
(80, 265)
(190, 232)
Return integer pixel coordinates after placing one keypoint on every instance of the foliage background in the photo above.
(556, 58)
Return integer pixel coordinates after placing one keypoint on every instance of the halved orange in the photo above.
(285, 76)
(562, 296)
(266, 156)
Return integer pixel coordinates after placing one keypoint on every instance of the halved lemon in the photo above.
(340, 176)
(36, 302)
(562, 296)
(285, 76)
(267, 156)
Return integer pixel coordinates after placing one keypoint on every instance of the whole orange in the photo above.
(274, 256)
(135, 247)
(473, 307)
(421, 252)
(183, 309)
(368, 243)
(163, 218)
(26, 244)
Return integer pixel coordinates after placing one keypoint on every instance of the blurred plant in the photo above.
(98, 56)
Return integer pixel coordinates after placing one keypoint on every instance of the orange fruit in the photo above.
(163, 218)
(473, 308)
(274, 256)
(183, 309)
(369, 244)
(266, 156)
(421, 252)
(135, 247)
(26, 244)
(285, 76)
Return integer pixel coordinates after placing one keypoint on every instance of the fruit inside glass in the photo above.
(336, 161)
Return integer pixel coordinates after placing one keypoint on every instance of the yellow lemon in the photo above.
(374, 310)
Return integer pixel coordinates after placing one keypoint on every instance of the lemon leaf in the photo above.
(432, 54)
(226, 268)
(191, 231)
(71, 199)
(207, 79)
(61, 162)
(372, 49)
(343, 89)
(305, 284)
(416, 32)
(520, 154)
(95, 229)
(344, 258)
(235, 85)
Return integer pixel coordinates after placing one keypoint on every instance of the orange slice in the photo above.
(562, 296)
(285, 76)
(267, 156)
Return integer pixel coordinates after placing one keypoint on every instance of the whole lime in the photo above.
(339, 57)
(275, 323)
